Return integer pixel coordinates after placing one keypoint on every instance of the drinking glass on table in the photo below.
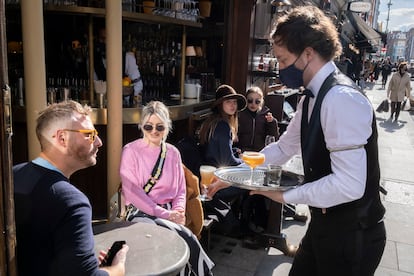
(207, 175)
(253, 159)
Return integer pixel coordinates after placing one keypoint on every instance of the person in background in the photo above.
(377, 69)
(99, 61)
(53, 218)
(217, 135)
(346, 234)
(130, 67)
(385, 72)
(399, 87)
(132, 74)
(347, 67)
(358, 72)
(153, 183)
(219, 131)
(255, 122)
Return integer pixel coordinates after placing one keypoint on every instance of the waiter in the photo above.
(130, 68)
(346, 234)
(335, 130)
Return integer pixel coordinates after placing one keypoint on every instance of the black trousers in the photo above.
(339, 250)
(395, 108)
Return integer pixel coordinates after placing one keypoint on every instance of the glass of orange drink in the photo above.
(253, 159)
(207, 175)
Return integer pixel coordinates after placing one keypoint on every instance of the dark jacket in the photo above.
(253, 129)
(218, 152)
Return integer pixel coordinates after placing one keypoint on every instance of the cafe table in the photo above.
(292, 176)
(153, 250)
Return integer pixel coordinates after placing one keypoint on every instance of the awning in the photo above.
(365, 33)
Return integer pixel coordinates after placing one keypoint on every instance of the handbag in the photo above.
(131, 210)
(384, 106)
(406, 105)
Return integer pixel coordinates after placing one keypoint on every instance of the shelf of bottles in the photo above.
(158, 55)
(263, 64)
(158, 48)
(180, 12)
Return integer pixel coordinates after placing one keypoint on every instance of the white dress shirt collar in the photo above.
(317, 80)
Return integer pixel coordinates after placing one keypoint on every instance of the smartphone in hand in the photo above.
(116, 246)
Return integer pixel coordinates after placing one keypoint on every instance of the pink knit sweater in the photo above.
(137, 162)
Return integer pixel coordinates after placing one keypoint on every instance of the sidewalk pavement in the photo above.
(396, 153)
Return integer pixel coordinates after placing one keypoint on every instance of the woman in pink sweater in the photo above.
(153, 183)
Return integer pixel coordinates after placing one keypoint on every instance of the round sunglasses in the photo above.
(151, 127)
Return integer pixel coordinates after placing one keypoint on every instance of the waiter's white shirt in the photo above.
(346, 117)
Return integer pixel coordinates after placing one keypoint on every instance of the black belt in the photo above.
(348, 214)
(133, 211)
(345, 207)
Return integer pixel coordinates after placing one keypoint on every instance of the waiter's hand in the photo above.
(216, 186)
(273, 195)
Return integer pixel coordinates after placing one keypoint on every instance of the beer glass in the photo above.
(207, 175)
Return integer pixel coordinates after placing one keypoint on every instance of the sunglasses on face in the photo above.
(93, 133)
(151, 127)
(257, 101)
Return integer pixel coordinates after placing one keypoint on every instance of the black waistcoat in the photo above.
(317, 161)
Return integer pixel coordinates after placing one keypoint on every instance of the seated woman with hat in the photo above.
(217, 135)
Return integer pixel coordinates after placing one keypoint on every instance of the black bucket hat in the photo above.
(226, 92)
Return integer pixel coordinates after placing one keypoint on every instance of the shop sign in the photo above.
(359, 6)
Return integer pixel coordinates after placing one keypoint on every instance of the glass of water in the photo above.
(273, 175)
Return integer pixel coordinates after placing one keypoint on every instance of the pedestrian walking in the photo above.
(385, 72)
(398, 88)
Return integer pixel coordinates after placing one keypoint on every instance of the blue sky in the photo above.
(401, 15)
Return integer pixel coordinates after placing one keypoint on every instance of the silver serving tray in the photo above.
(240, 177)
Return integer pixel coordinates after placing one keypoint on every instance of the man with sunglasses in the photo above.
(53, 218)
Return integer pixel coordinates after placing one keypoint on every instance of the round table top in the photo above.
(153, 250)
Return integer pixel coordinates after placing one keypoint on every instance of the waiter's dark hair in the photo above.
(307, 26)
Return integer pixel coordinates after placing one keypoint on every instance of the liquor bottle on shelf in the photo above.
(260, 66)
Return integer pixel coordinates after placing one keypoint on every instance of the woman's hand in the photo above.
(216, 186)
(177, 216)
(269, 117)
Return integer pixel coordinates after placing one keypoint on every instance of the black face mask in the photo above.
(291, 76)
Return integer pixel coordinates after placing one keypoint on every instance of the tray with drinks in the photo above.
(258, 179)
